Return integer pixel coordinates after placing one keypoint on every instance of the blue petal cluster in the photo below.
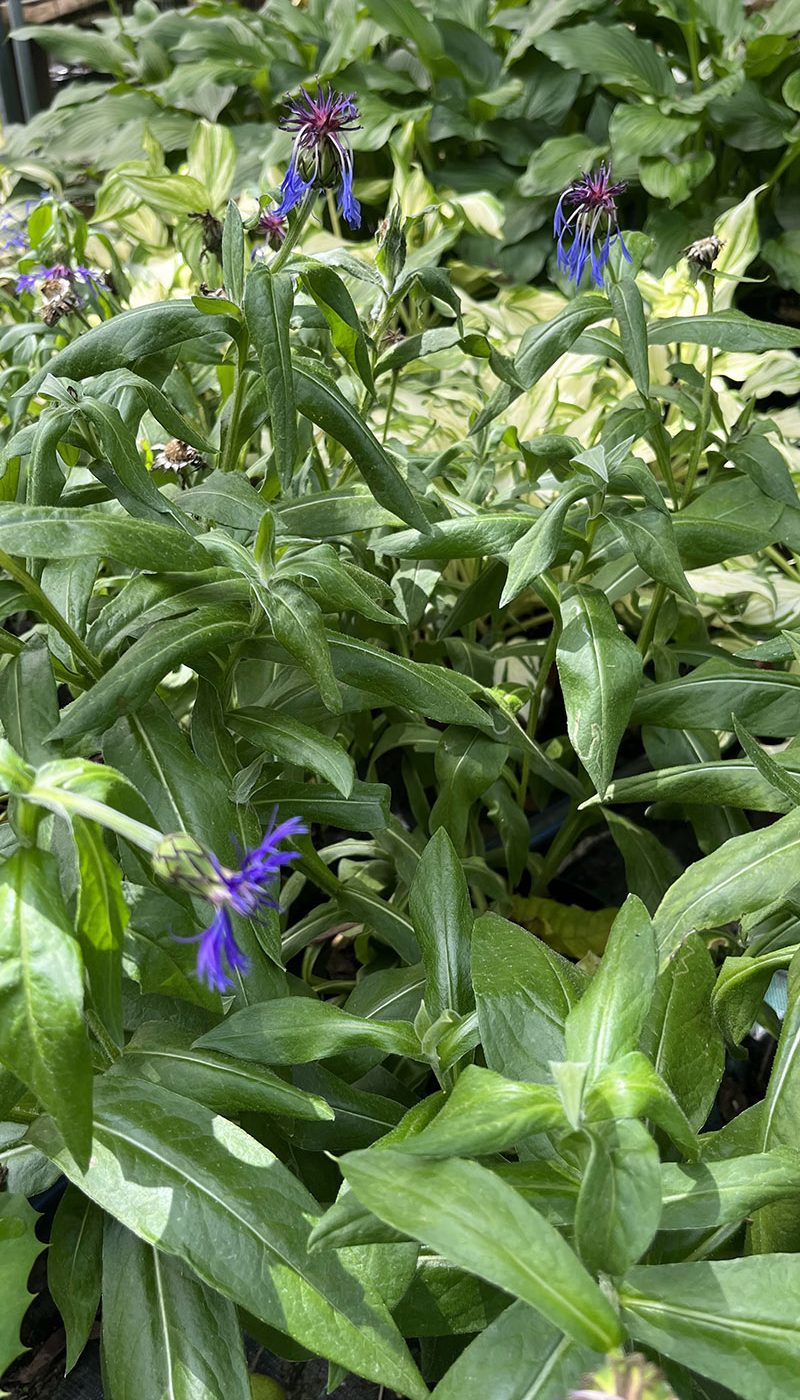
(321, 154)
(245, 891)
(587, 231)
(29, 281)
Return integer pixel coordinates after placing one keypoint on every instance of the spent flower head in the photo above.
(186, 863)
(273, 226)
(586, 224)
(321, 155)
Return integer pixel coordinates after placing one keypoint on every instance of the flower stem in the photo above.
(649, 625)
(230, 454)
(81, 805)
(50, 613)
(301, 218)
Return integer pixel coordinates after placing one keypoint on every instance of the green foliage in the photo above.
(493, 582)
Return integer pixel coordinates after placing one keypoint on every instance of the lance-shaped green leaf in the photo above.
(336, 305)
(42, 1034)
(523, 992)
(711, 1194)
(733, 782)
(275, 732)
(165, 1333)
(619, 1201)
(632, 1088)
(650, 867)
(466, 765)
(320, 400)
(542, 345)
(232, 241)
(778, 1227)
(538, 1361)
(429, 690)
(600, 671)
(164, 1054)
(298, 625)
(537, 549)
(780, 777)
(626, 303)
(486, 1113)
(102, 916)
(131, 680)
(74, 1267)
(727, 330)
(765, 702)
(442, 918)
(690, 1312)
(300, 1030)
(505, 1241)
(200, 1189)
(268, 304)
(607, 1021)
(651, 539)
(745, 874)
(59, 532)
(126, 475)
(681, 1035)
(19, 1249)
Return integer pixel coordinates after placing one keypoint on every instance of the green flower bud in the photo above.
(180, 860)
(625, 1378)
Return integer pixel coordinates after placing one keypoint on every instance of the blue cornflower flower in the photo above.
(592, 199)
(321, 154)
(245, 891)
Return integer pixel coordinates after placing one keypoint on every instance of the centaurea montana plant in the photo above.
(29, 281)
(321, 155)
(586, 233)
(246, 891)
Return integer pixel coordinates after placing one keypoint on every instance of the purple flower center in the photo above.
(321, 155)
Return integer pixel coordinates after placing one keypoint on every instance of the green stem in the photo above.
(560, 847)
(535, 706)
(109, 1047)
(63, 800)
(301, 218)
(50, 613)
(699, 440)
(230, 454)
(690, 35)
(333, 214)
(390, 405)
(649, 624)
(660, 442)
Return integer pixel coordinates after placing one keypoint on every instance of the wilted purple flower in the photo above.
(592, 200)
(246, 891)
(321, 154)
(273, 226)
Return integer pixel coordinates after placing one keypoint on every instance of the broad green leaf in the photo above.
(544, 173)
(300, 1030)
(74, 1268)
(54, 532)
(626, 304)
(228, 499)
(462, 537)
(650, 536)
(164, 1054)
(319, 399)
(336, 305)
(382, 918)
(774, 773)
(293, 742)
(29, 702)
(486, 1113)
(711, 1194)
(765, 702)
(102, 52)
(167, 194)
(505, 1242)
(727, 330)
(200, 1189)
(100, 922)
(233, 250)
(756, 455)
(744, 875)
(523, 992)
(681, 1037)
(733, 782)
(466, 765)
(612, 54)
(691, 1311)
(442, 917)
(446, 1301)
(636, 130)
(132, 680)
(607, 1021)
(538, 547)
(165, 1333)
(427, 689)
(619, 1201)
(417, 347)
(403, 18)
(211, 160)
(120, 467)
(268, 304)
(19, 1248)
(42, 1034)
(538, 1361)
(542, 345)
(600, 671)
(298, 625)
(740, 989)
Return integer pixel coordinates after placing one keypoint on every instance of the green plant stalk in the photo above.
(77, 803)
(230, 454)
(699, 440)
(290, 241)
(535, 705)
(50, 614)
(649, 625)
(109, 1048)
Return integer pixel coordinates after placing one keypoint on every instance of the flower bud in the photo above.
(625, 1378)
(704, 252)
(182, 861)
